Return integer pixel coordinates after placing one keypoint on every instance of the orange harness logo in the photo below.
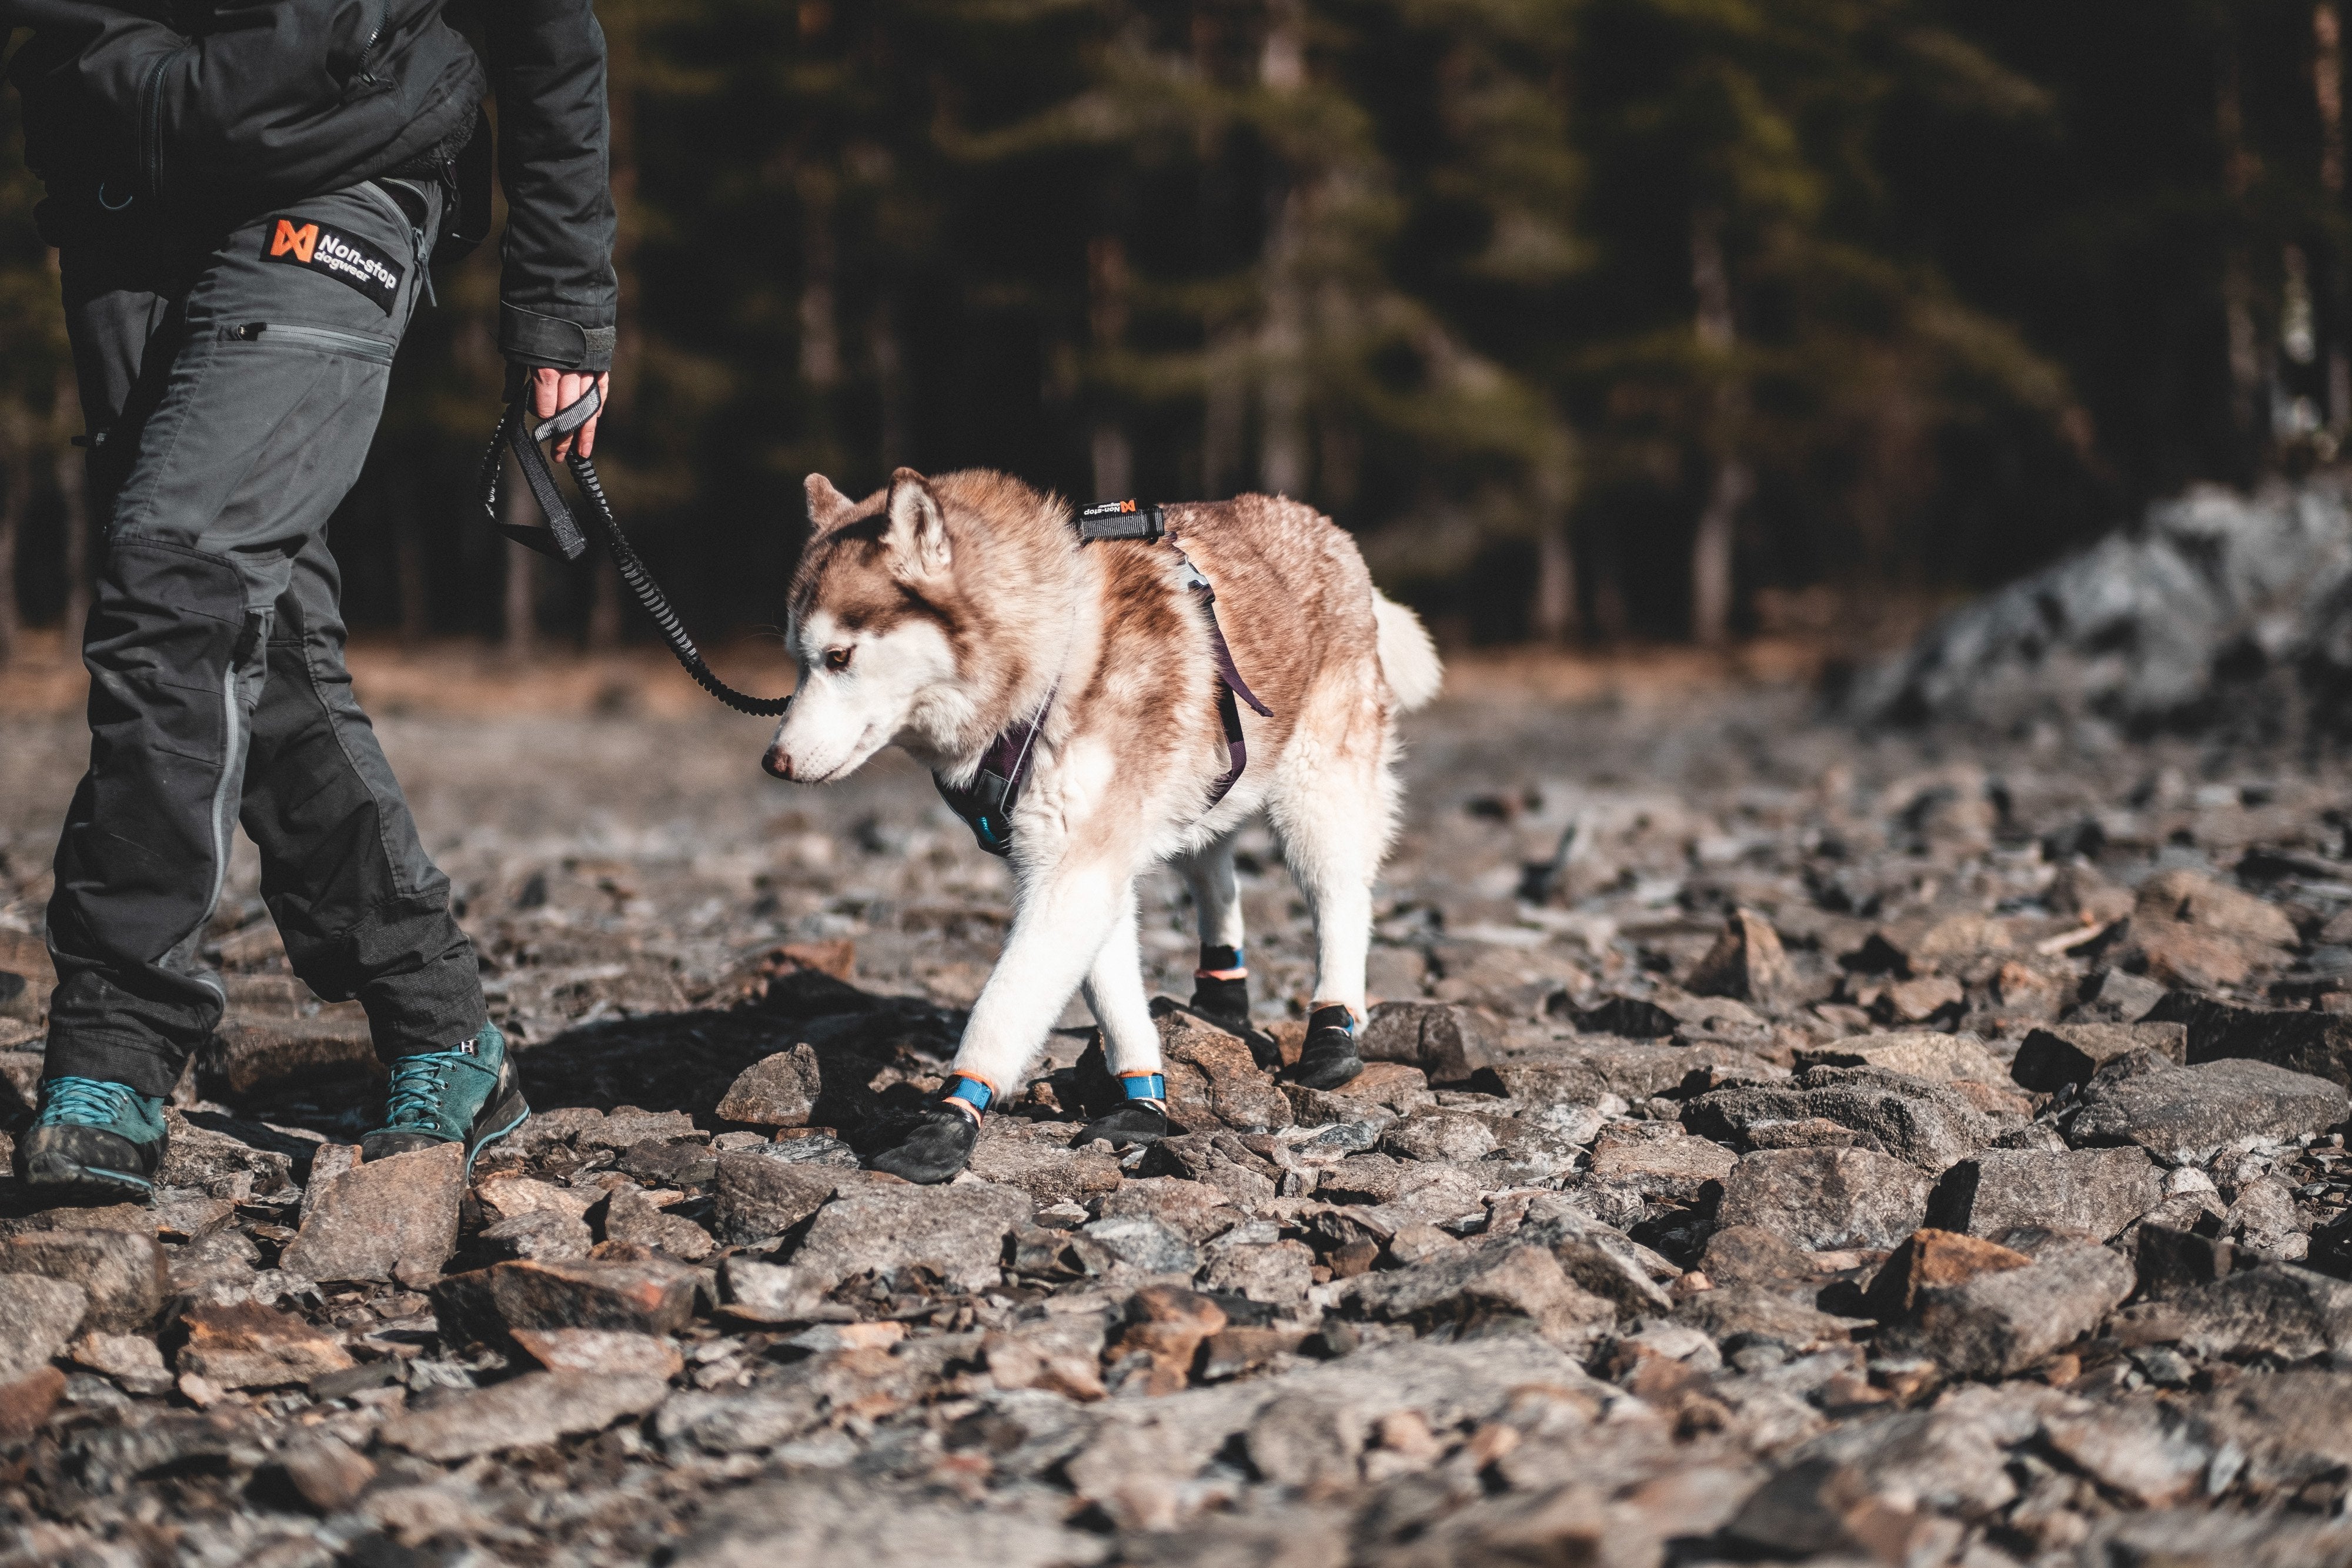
(301, 241)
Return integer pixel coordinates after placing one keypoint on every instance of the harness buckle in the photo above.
(1122, 520)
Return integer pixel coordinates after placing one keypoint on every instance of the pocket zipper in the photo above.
(352, 344)
(416, 238)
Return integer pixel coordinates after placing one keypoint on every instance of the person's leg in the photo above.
(121, 1022)
(364, 911)
(263, 386)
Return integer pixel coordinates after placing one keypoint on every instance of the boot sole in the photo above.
(521, 1114)
(90, 1187)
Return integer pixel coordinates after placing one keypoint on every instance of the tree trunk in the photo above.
(2244, 349)
(73, 492)
(2327, 93)
(413, 584)
(19, 477)
(889, 383)
(1552, 612)
(520, 618)
(1282, 332)
(820, 264)
(621, 68)
(1107, 296)
(1712, 543)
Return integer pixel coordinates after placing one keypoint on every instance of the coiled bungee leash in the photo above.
(560, 537)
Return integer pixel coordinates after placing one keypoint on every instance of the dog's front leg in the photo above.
(1060, 922)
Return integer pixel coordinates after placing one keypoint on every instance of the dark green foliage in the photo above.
(1908, 292)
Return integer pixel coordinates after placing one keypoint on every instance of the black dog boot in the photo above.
(1142, 1119)
(1221, 987)
(1328, 1058)
(936, 1144)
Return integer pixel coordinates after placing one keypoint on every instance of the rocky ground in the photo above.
(1781, 1144)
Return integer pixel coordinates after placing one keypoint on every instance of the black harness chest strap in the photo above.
(987, 804)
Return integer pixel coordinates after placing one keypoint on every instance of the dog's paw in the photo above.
(935, 1146)
(1328, 1058)
(1134, 1123)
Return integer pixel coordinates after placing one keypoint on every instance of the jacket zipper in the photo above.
(352, 344)
(383, 14)
(153, 118)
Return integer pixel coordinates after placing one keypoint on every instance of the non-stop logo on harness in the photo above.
(304, 242)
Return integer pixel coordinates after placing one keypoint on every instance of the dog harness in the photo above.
(986, 803)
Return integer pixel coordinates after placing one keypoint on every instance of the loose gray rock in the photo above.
(123, 1274)
(761, 1193)
(1451, 1136)
(1445, 1040)
(1825, 1198)
(2058, 1054)
(2187, 1113)
(537, 1408)
(2296, 1039)
(1148, 1245)
(1473, 1288)
(2004, 1320)
(383, 1217)
(955, 1232)
(779, 1090)
(2094, 1192)
(2277, 1308)
(42, 1315)
(1927, 1124)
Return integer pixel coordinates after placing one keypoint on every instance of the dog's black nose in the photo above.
(777, 763)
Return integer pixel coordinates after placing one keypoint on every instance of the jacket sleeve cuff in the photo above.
(528, 338)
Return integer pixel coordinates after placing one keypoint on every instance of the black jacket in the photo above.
(204, 112)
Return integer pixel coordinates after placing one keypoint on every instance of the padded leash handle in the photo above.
(561, 537)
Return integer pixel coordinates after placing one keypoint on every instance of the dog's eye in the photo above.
(836, 658)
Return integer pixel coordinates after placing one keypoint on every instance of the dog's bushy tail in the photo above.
(1408, 658)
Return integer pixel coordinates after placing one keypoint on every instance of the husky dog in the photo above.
(963, 619)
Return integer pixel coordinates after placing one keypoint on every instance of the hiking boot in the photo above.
(1328, 1058)
(469, 1094)
(93, 1143)
(930, 1146)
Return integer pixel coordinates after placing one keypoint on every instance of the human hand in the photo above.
(553, 391)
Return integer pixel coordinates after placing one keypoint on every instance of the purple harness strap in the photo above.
(1230, 683)
(986, 804)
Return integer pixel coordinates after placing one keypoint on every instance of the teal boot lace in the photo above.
(92, 1103)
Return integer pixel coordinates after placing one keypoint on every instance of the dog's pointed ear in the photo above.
(919, 533)
(827, 506)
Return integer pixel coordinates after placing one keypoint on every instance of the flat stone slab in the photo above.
(2185, 1113)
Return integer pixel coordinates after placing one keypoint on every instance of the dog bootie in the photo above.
(1221, 987)
(1142, 1119)
(937, 1143)
(1328, 1058)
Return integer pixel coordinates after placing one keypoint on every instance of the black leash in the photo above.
(560, 537)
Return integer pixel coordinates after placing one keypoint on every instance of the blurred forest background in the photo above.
(1593, 319)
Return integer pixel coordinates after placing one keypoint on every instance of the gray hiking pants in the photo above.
(231, 390)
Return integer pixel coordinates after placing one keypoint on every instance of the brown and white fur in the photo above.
(936, 615)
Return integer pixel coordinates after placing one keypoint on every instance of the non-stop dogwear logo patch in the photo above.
(346, 258)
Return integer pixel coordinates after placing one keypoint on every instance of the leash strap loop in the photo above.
(561, 535)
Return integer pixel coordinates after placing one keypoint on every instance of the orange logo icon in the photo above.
(301, 241)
